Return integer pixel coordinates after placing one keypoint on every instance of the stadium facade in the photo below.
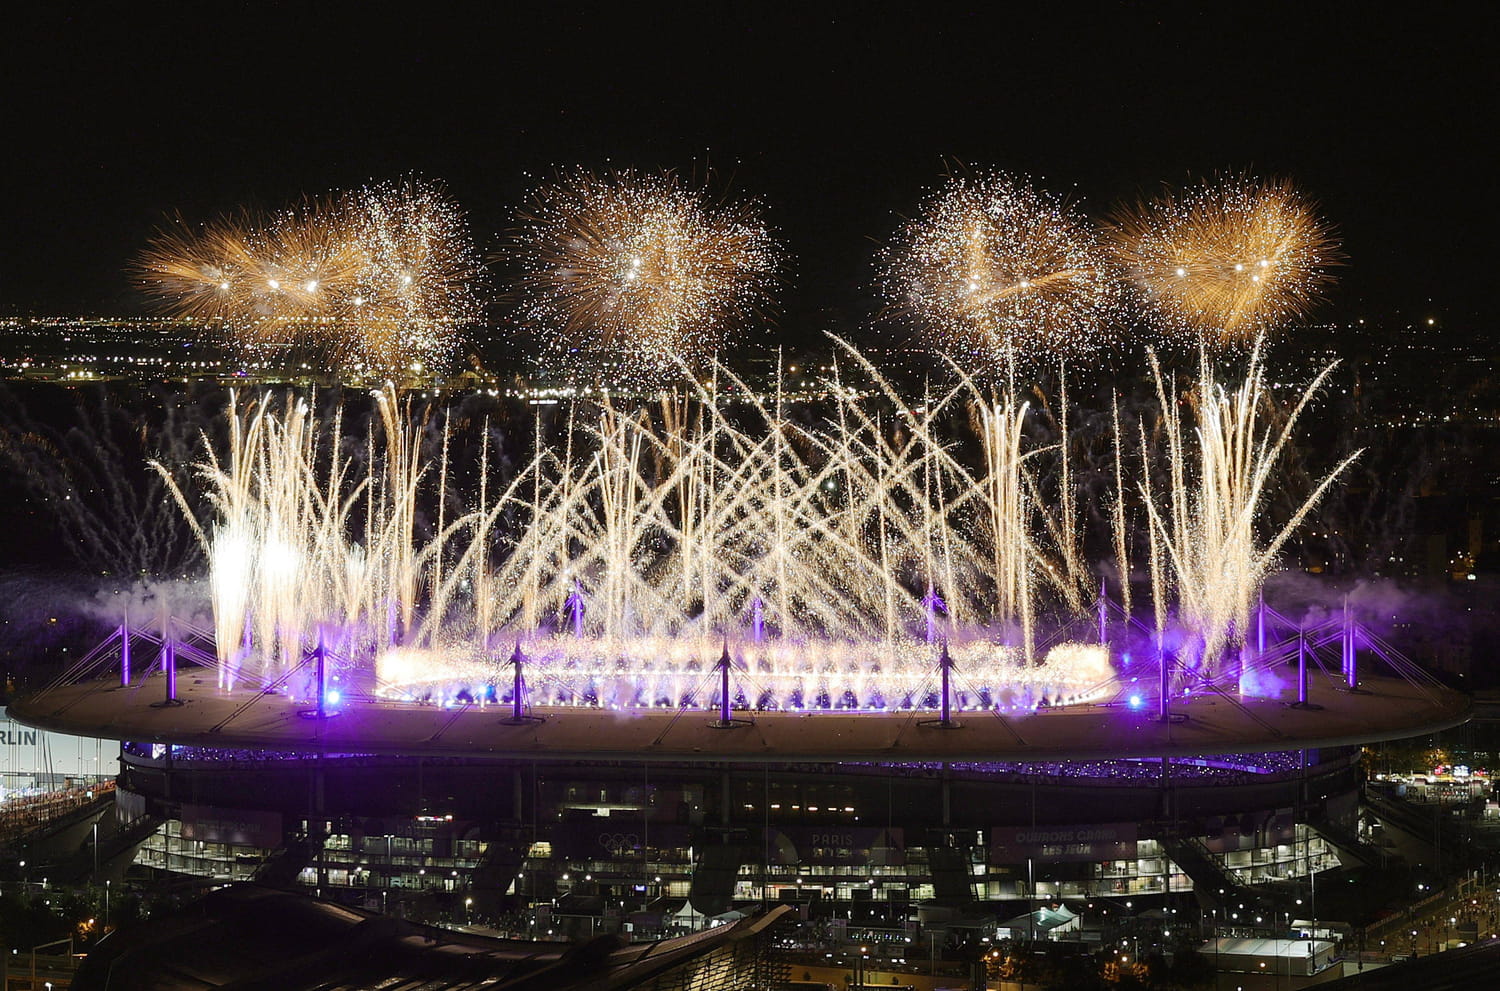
(572, 820)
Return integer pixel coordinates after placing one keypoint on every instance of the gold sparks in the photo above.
(996, 269)
(380, 278)
(643, 265)
(660, 274)
(1226, 260)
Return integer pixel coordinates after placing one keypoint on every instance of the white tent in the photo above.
(1270, 956)
(1041, 924)
(724, 918)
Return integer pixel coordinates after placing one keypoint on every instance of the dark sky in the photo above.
(838, 119)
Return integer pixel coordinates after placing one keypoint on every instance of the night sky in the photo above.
(837, 120)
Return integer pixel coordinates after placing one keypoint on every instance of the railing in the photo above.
(22, 815)
(1458, 889)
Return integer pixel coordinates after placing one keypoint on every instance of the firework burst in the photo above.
(414, 291)
(996, 268)
(1225, 260)
(380, 278)
(642, 264)
(207, 273)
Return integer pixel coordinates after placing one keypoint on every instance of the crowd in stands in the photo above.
(1219, 768)
(246, 755)
(22, 812)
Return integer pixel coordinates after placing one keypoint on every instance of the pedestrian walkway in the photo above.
(1464, 912)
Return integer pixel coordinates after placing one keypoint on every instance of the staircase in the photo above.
(1209, 877)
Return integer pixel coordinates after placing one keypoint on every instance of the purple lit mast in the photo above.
(1165, 674)
(575, 607)
(518, 686)
(1351, 662)
(169, 665)
(945, 666)
(125, 650)
(1103, 614)
(724, 708)
(931, 604)
(320, 656)
(1302, 666)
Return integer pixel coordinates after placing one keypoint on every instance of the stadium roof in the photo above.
(1385, 708)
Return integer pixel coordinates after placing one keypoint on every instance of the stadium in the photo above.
(574, 815)
(945, 669)
(705, 656)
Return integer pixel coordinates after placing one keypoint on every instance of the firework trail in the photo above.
(1207, 546)
(834, 556)
(86, 468)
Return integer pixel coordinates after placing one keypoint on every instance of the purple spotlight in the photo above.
(1135, 701)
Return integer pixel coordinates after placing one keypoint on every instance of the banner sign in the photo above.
(1103, 841)
(33, 758)
(835, 845)
(617, 837)
(241, 827)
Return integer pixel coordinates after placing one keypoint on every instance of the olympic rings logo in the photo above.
(619, 841)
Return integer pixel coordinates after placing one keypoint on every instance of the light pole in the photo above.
(1288, 954)
(1216, 947)
(1313, 907)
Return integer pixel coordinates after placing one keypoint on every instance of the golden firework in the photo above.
(381, 279)
(1227, 259)
(306, 259)
(643, 265)
(210, 273)
(995, 268)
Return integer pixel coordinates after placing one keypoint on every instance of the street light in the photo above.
(1278, 950)
(1216, 946)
